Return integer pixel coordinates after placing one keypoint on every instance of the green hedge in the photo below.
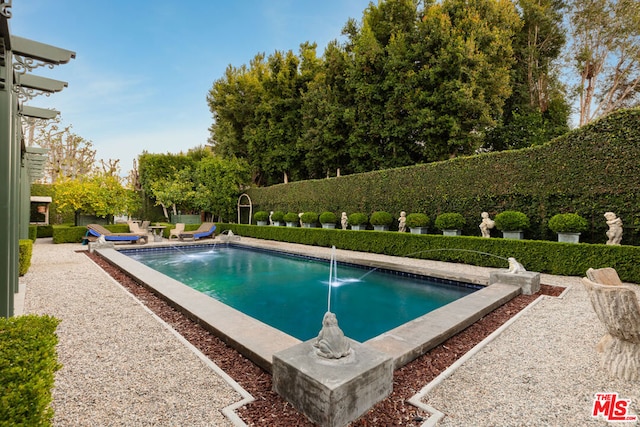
(25, 249)
(73, 234)
(44, 231)
(565, 259)
(28, 362)
(589, 171)
(33, 233)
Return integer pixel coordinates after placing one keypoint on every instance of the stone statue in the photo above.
(344, 221)
(515, 267)
(616, 305)
(331, 342)
(300, 217)
(402, 222)
(615, 228)
(486, 225)
(270, 220)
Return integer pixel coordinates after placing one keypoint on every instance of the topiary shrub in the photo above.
(309, 218)
(511, 221)
(450, 221)
(277, 216)
(381, 218)
(417, 220)
(291, 217)
(261, 216)
(328, 218)
(358, 218)
(568, 223)
(24, 255)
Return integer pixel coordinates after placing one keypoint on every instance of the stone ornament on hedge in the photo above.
(614, 234)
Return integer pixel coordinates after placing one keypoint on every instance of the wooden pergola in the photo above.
(20, 165)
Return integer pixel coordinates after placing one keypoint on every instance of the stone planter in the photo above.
(452, 232)
(278, 223)
(261, 222)
(517, 234)
(308, 225)
(330, 226)
(381, 227)
(358, 227)
(569, 237)
(418, 230)
(292, 224)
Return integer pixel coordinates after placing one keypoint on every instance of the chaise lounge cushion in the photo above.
(98, 230)
(206, 229)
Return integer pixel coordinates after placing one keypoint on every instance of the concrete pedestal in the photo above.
(98, 245)
(528, 281)
(332, 392)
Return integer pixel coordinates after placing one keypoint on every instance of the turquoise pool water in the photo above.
(290, 292)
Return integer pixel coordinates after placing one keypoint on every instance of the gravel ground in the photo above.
(121, 366)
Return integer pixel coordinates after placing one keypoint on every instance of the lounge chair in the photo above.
(175, 232)
(97, 230)
(135, 228)
(206, 229)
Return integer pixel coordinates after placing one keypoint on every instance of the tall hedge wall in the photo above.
(589, 171)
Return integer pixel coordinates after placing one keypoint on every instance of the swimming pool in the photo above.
(290, 292)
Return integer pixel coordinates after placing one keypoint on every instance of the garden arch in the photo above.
(244, 202)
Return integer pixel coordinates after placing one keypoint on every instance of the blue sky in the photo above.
(143, 68)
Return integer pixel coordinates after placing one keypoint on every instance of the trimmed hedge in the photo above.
(591, 170)
(33, 232)
(75, 234)
(565, 259)
(25, 250)
(28, 362)
(44, 231)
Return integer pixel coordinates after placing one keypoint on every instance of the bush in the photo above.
(309, 218)
(45, 231)
(261, 216)
(381, 218)
(28, 362)
(511, 221)
(450, 221)
(24, 255)
(568, 223)
(33, 232)
(565, 259)
(328, 218)
(416, 220)
(358, 218)
(291, 217)
(277, 216)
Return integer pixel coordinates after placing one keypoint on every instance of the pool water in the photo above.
(290, 293)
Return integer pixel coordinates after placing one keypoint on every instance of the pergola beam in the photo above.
(38, 113)
(40, 51)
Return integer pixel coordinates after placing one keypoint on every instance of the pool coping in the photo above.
(259, 341)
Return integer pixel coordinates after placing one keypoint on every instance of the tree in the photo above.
(537, 109)
(606, 54)
(98, 194)
(69, 156)
(218, 184)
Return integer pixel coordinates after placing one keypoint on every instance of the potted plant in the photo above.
(277, 217)
(417, 223)
(381, 220)
(261, 217)
(328, 219)
(358, 221)
(512, 224)
(309, 219)
(292, 219)
(450, 223)
(568, 226)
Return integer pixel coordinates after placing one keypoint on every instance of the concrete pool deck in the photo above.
(540, 370)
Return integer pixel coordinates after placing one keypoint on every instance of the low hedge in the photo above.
(73, 234)
(28, 362)
(25, 249)
(33, 232)
(44, 231)
(564, 259)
